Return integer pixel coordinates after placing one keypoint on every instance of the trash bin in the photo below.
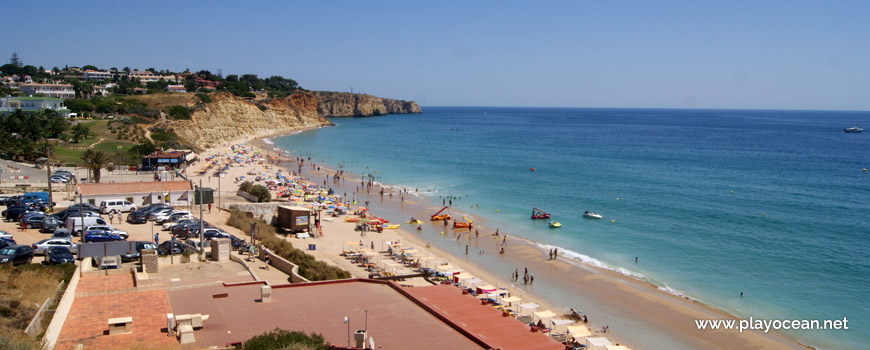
(312, 246)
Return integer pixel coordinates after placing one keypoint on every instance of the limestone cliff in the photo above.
(344, 104)
(229, 117)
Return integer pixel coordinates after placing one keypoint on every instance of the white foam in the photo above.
(668, 289)
(588, 260)
(268, 141)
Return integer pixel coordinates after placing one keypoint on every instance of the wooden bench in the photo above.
(120, 325)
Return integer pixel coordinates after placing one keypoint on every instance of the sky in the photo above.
(624, 54)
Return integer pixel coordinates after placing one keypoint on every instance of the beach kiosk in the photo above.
(295, 219)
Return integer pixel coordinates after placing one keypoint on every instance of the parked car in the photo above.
(5, 235)
(110, 229)
(33, 220)
(175, 219)
(116, 205)
(49, 224)
(58, 255)
(12, 213)
(6, 242)
(16, 255)
(194, 244)
(4, 200)
(101, 236)
(140, 245)
(62, 232)
(76, 224)
(189, 228)
(85, 206)
(174, 247)
(164, 217)
(78, 214)
(158, 212)
(140, 216)
(40, 247)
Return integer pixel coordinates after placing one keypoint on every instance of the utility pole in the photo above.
(47, 148)
(201, 223)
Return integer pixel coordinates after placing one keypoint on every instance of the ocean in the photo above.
(713, 203)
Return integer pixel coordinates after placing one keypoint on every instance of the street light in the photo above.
(347, 321)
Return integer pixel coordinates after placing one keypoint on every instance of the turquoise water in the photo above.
(792, 235)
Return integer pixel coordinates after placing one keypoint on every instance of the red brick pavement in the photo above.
(87, 322)
(104, 283)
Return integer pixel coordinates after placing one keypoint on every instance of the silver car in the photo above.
(40, 247)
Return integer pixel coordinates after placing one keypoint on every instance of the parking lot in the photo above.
(137, 232)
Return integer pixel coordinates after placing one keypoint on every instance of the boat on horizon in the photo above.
(592, 215)
(853, 130)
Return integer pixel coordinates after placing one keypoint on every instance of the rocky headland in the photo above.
(345, 104)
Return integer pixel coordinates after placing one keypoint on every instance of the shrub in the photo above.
(261, 107)
(261, 192)
(178, 112)
(281, 339)
(203, 97)
(246, 186)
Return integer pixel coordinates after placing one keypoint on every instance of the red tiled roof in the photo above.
(133, 187)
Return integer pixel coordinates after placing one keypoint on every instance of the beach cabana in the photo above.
(510, 300)
(350, 247)
(578, 332)
(598, 343)
(486, 289)
(457, 278)
(545, 314)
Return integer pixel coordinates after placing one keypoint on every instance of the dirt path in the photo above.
(95, 143)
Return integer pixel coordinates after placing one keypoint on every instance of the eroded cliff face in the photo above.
(229, 117)
(344, 104)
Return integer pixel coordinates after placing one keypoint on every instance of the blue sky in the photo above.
(666, 54)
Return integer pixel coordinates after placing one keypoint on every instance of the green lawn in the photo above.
(67, 153)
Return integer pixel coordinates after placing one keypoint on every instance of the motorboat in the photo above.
(592, 215)
(853, 130)
(555, 224)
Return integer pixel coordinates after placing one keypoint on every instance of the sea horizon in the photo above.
(593, 248)
(711, 109)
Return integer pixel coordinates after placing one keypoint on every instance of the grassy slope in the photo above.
(67, 153)
(22, 290)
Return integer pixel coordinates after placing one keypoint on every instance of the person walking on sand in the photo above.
(209, 208)
(555, 253)
(476, 233)
(550, 255)
(516, 274)
(466, 249)
(531, 279)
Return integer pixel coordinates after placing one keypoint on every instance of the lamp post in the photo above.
(347, 321)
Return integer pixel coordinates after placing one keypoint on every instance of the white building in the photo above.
(175, 88)
(32, 104)
(64, 91)
(97, 75)
(176, 193)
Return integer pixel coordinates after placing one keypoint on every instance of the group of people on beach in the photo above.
(527, 278)
(554, 253)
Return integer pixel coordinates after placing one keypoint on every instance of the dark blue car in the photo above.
(101, 236)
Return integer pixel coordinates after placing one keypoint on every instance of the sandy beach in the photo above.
(608, 295)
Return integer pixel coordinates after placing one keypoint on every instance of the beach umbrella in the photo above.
(362, 208)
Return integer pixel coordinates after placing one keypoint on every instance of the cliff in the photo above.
(344, 104)
(229, 117)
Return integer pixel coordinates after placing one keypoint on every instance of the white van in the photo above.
(116, 205)
(74, 224)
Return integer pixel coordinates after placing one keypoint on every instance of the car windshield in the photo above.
(7, 251)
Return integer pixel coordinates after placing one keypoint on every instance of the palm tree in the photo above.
(46, 149)
(95, 160)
